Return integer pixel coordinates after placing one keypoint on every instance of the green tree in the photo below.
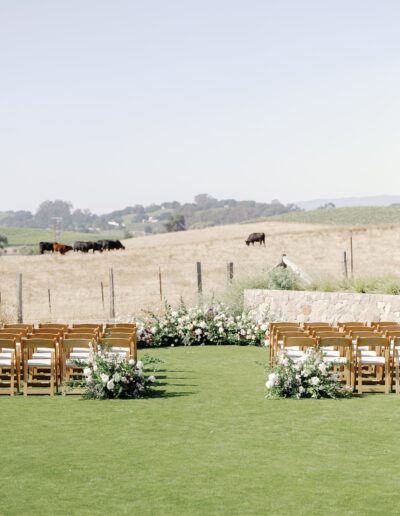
(3, 241)
(176, 223)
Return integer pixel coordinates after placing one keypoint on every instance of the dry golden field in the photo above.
(74, 279)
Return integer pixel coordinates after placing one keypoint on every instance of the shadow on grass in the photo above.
(168, 394)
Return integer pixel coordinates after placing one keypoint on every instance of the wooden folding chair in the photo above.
(74, 355)
(276, 338)
(9, 366)
(40, 368)
(338, 351)
(121, 346)
(348, 328)
(295, 346)
(81, 335)
(120, 325)
(330, 334)
(371, 371)
(351, 324)
(375, 324)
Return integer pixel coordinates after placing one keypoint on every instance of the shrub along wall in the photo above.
(303, 306)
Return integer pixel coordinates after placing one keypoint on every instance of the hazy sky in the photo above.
(113, 103)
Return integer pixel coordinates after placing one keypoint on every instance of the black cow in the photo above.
(255, 237)
(45, 246)
(109, 245)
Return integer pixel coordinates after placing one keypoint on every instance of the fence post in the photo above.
(20, 317)
(112, 300)
(345, 271)
(160, 284)
(351, 255)
(199, 282)
(49, 296)
(230, 272)
(102, 294)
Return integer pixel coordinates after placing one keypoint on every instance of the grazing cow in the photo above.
(45, 246)
(61, 248)
(255, 237)
(80, 246)
(109, 245)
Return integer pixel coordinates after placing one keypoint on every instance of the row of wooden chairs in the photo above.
(50, 355)
(366, 357)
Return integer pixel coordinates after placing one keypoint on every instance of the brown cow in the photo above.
(61, 248)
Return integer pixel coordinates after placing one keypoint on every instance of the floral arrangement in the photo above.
(110, 375)
(203, 325)
(307, 377)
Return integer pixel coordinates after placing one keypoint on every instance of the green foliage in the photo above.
(386, 284)
(278, 278)
(176, 223)
(3, 241)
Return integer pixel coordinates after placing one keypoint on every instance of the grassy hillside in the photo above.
(338, 216)
(31, 236)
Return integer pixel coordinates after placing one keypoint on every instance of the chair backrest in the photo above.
(48, 331)
(12, 335)
(49, 326)
(322, 328)
(384, 323)
(373, 342)
(87, 326)
(348, 329)
(8, 343)
(77, 343)
(351, 323)
(335, 342)
(120, 325)
(274, 325)
(40, 335)
(119, 335)
(390, 334)
(26, 327)
(288, 333)
(328, 334)
(33, 343)
(287, 329)
(89, 331)
(309, 325)
(120, 329)
(388, 328)
(85, 336)
(299, 341)
(355, 334)
(120, 342)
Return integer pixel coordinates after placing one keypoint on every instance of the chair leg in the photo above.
(12, 373)
(25, 378)
(397, 378)
(52, 373)
(359, 371)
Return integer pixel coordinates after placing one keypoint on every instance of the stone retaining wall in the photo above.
(290, 305)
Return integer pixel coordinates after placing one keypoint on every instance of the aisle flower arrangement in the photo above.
(308, 377)
(199, 326)
(110, 376)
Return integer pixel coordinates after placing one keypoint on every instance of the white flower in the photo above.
(152, 379)
(131, 361)
(314, 380)
(301, 389)
(95, 367)
(203, 324)
(104, 378)
(110, 385)
(153, 330)
(273, 378)
(87, 371)
(322, 368)
(269, 384)
(198, 331)
(139, 364)
(116, 377)
(123, 379)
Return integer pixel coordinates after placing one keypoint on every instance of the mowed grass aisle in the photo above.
(211, 444)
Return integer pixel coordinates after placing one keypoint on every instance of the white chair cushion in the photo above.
(7, 350)
(39, 362)
(45, 350)
(79, 356)
(368, 353)
(368, 360)
(73, 363)
(330, 352)
(5, 362)
(335, 360)
(6, 354)
(118, 349)
(41, 355)
(81, 350)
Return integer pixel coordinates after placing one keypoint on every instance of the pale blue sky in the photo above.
(113, 103)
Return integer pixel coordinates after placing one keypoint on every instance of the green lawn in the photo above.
(209, 444)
